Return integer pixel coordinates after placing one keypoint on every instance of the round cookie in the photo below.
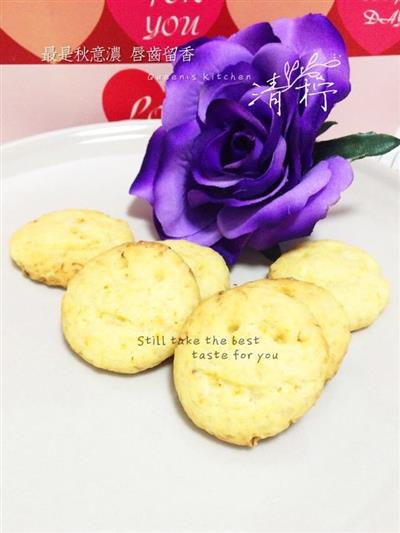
(327, 311)
(350, 274)
(208, 267)
(123, 308)
(242, 399)
(53, 248)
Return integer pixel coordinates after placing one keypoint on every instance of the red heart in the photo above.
(165, 22)
(131, 94)
(372, 23)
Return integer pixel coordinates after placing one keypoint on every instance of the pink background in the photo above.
(39, 98)
(41, 94)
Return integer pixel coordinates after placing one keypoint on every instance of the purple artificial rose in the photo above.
(232, 164)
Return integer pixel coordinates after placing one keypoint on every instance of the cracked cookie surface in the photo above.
(54, 247)
(349, 273)
(208, 266)
(273, 372)
(327, 311)
(123, 296)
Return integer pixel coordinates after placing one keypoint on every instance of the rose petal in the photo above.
(258, 187)
(224, 112)
(302, 223)
(245, 162)
(221, 181)
(144, 181)
(207, 150)
(181, 102)
(241, 144)
(197, 197)
(271, 61)
(315, 33)
(230, 249)
(173, 178)
(255, 36)
(274, 133)
(294, 139)
(231, 89)
(246, 191)
(207, 165)
(236, 221)
(206, 236)
(258, 105)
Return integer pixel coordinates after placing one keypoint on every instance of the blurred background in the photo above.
(67, 63)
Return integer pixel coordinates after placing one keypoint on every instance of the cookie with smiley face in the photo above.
(268, 373)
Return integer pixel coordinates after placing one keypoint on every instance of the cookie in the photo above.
(123, 308)
(53, 248)
(327, 311)
(352, 276)
(256, 363)
(208, 267)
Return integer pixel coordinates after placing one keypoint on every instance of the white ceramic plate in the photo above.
(85, 450)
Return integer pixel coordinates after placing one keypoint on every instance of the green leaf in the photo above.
(356, 146)
(326, 125)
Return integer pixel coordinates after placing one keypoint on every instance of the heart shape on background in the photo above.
(160, 22)
(374, 38)
(130, 94)
(43, 23)
(270, 10)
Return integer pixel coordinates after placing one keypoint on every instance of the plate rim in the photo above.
(128, 125)
(137, 126)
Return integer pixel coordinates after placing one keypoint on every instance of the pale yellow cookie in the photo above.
(53, 248)
(350, 274)
(327, 311)
(245, 390)
(123, 308)
(208, 267)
